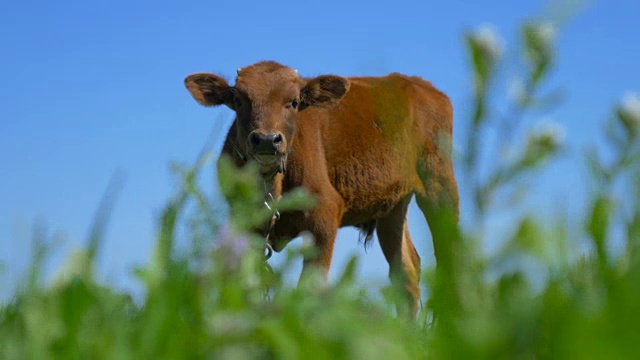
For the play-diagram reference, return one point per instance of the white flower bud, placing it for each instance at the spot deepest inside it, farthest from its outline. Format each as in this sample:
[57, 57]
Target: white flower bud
[630, 107]
[550, 133]
[487, 38]
[546, 32]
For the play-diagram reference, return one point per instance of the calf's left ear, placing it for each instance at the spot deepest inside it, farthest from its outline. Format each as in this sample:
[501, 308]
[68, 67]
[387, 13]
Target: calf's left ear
[323, 91]
[209, 89]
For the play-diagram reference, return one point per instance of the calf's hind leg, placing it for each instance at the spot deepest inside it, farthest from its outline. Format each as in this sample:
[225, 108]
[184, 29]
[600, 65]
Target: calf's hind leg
[439, 204]
[403, 259]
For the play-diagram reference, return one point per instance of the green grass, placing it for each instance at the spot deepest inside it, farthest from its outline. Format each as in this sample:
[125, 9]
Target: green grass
[218, 300]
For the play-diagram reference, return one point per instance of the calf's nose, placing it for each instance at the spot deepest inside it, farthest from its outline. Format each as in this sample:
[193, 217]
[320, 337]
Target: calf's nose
[265, 143]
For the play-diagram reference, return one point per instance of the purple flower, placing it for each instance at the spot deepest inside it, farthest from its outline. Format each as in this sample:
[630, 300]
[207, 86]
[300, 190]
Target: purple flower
[232, 245]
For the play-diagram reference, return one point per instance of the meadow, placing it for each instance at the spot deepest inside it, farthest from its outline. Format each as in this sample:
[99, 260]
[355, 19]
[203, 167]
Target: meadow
[217, 299]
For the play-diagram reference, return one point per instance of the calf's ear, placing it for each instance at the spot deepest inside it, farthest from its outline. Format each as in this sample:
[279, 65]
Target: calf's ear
[323, 91]
[209, 89]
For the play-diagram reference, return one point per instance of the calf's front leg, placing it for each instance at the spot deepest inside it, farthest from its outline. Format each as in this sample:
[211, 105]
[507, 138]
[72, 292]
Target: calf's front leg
[323, 223]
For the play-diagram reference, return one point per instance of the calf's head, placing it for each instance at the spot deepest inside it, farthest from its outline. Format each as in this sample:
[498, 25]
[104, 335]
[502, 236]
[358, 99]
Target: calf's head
[267, 98]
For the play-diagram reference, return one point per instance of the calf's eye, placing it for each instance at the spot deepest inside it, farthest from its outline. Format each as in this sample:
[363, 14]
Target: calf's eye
[237, 102]
[294, 103]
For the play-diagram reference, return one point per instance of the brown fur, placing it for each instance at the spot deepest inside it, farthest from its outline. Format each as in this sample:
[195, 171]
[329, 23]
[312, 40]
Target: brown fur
[363, 146]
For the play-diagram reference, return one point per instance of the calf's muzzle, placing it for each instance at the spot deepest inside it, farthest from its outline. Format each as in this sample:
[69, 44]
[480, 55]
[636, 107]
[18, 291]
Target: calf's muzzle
[262, 143]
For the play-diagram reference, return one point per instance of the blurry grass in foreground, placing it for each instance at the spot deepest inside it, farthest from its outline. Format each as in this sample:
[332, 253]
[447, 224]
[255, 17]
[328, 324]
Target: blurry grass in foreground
[220, 302]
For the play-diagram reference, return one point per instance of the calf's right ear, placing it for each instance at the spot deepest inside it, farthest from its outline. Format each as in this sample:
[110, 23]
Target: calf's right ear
[209, 89]
[323, 91]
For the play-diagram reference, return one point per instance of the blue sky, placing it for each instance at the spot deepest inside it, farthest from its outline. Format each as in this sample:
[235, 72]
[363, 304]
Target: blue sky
[89, 88]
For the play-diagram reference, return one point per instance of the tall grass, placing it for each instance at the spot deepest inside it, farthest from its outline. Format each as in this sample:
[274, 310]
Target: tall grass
[221, 301]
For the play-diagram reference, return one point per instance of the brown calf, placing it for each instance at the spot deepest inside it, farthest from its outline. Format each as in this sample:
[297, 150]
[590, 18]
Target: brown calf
[361, 145]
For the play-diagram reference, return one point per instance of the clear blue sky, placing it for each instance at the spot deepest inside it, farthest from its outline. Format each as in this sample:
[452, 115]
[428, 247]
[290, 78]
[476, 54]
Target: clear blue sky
[92, 87]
